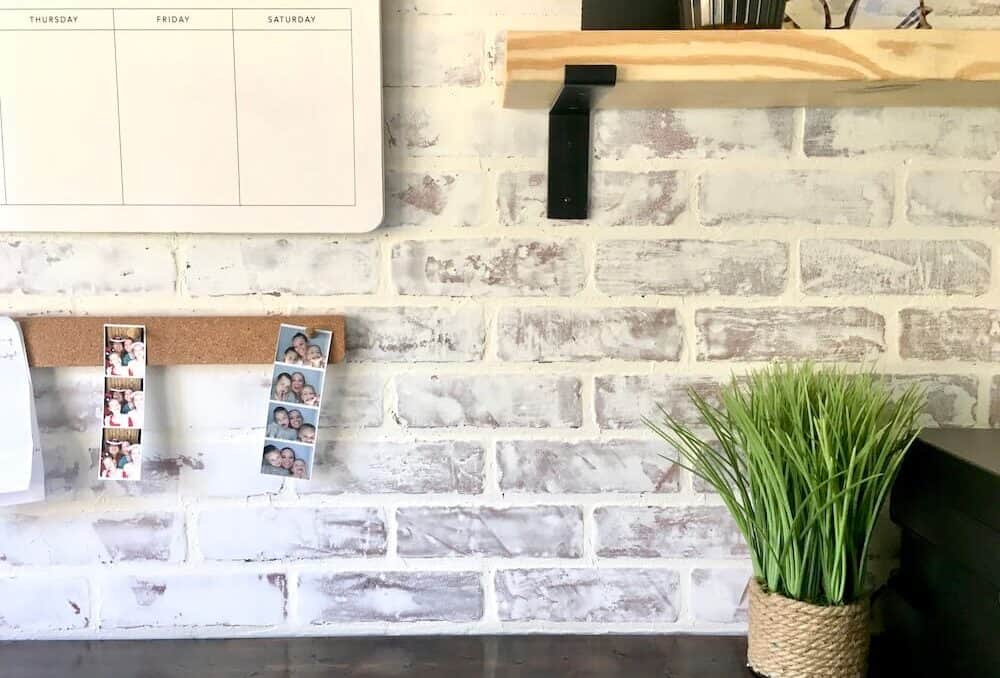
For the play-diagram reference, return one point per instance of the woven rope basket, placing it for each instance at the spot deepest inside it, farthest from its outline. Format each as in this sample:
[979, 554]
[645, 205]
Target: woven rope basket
[791, 639]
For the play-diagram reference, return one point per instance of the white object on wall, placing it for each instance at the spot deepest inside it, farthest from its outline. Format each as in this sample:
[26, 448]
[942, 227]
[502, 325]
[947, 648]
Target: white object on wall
[191, 116]
[23, 478]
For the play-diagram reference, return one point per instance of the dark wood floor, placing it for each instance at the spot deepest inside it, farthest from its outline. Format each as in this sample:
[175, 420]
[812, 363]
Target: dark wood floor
[452, 657]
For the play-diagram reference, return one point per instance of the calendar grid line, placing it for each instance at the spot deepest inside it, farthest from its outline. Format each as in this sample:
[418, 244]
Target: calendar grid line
[3, 156]
[118, 109]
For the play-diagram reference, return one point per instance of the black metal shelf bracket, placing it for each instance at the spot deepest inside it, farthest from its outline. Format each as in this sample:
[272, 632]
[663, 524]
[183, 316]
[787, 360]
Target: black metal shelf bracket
[569, 140]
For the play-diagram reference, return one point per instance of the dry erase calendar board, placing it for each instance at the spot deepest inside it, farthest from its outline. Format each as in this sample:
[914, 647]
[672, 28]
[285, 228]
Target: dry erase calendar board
[191, 116]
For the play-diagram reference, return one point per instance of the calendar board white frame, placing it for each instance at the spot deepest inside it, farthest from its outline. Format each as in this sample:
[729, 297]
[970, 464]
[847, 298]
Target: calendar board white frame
[233, 121]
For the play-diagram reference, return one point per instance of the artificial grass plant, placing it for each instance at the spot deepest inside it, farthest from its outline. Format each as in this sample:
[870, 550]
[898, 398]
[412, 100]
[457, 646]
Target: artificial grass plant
[803, 456]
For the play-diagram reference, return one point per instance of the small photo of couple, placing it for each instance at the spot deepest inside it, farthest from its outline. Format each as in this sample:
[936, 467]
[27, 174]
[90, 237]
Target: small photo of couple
[286, 459]
[124, 351]
[287, 422]
[124, 402]
[121, 454]
[296, 348]
[296, 386]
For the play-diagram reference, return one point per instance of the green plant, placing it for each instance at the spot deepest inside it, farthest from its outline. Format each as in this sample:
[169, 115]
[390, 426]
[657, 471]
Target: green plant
[803, 457]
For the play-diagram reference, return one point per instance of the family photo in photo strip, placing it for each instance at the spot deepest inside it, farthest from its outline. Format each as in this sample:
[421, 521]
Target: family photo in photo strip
[123, 410]
[296, 392]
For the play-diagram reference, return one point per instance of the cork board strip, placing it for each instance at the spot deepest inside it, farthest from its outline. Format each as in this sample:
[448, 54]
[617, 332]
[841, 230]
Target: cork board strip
[196, 340]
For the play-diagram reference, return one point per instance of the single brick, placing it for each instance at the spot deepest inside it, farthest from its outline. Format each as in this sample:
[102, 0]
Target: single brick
[346, 597]
[531, 531]
[360, 467]
[592, 467]
[948, 198]
[224, 600]
[352, 401]
[995, 403]
[87, 265]
[720, 595]
[667, 532]
[267, 533]
[41, 604]
[488, 268]
[423, 199]
[616, 198]
[489, 401]
[87, 539]
[431, 53]
[789, 333]
[604, 596]
[941, 267]
[622, 400]
[67, 399]
[796, 198]
[417, 334]
[455, 123]
[301, 264]
[686, 267]
[545, 334]
[952, 400]
[691, 133]
[970, 334]
[902, 132]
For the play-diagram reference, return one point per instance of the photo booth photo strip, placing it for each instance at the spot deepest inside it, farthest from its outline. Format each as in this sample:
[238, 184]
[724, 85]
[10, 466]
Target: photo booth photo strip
[298, 380]
[123, 406]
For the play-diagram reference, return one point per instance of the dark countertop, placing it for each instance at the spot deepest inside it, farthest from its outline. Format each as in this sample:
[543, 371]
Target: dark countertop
[674, 656]
[452, 657]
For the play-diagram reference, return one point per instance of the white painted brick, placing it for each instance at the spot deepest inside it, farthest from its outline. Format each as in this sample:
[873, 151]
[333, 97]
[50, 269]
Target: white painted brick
[552, 467]
[622, 400]
[495, 8]
[40, 604]
[720, 595]
[493, 267]
[952, 400]
[995, 403]
[533, 531]
[688, 267]
[598, 596]
[947, 198]
[970, 334]
[902, 132]
[489, 401]
[351, 400]
[431, 52]
[67, 399]
[693, 133]
[267, 533]
[789, 332]
[406, 468]
[917, 267]
[796, 198]
[667, 532]
[193, 600]
[616, 198]
[390, 597]
[580, 334]
[112, 537]
[87, 265]
[421, 123]
[416, 334]
[302, 264]
[434, 199]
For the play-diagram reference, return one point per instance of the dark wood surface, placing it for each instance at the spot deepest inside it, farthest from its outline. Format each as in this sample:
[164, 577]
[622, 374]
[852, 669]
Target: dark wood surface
[437, 657]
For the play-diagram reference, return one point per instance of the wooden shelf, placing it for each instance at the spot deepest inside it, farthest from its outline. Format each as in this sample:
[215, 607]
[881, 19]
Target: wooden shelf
[762, 68]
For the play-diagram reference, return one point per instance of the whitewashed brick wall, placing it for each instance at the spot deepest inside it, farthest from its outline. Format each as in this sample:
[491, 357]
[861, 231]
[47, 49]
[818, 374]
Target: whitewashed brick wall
[483, 465]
